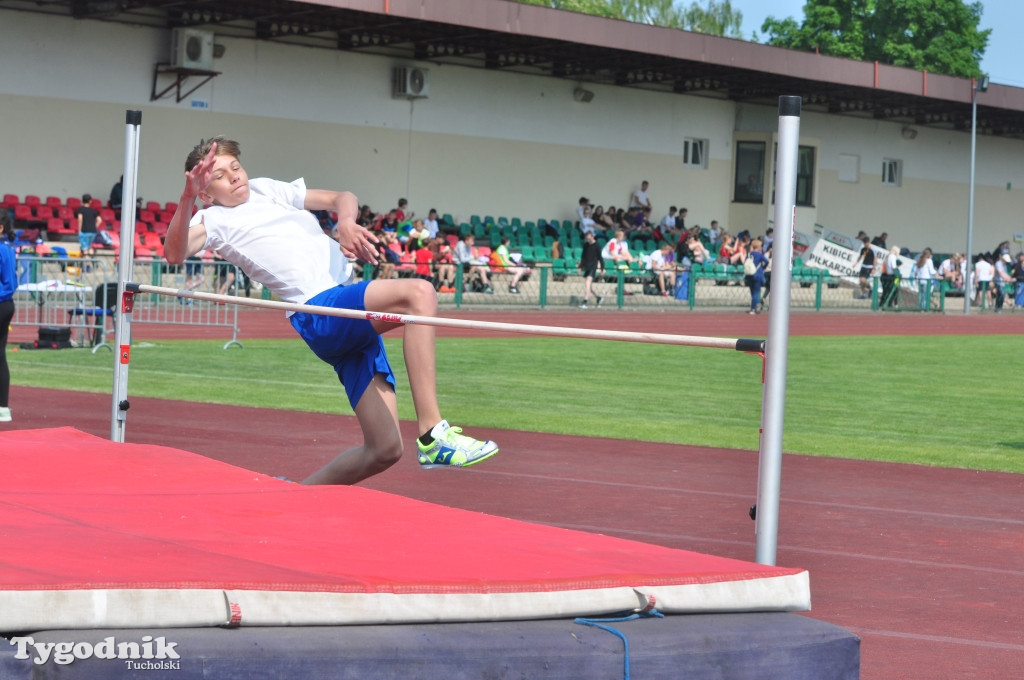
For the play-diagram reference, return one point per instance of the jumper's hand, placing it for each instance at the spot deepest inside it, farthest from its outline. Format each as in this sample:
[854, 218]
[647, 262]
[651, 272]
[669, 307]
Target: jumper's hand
[357, 242]
[198, 178]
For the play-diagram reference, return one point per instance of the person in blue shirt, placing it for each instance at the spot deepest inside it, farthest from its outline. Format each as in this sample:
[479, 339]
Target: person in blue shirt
[8, 284]
[754, 276]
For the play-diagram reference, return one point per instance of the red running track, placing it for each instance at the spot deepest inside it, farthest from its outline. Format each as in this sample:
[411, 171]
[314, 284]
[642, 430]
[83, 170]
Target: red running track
[924, 563]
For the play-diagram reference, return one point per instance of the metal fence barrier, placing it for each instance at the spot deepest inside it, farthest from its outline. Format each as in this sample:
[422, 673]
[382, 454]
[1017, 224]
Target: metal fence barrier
[80, 294]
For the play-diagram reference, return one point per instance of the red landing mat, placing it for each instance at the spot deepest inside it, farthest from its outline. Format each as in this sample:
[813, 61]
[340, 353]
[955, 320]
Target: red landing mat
[100, 535]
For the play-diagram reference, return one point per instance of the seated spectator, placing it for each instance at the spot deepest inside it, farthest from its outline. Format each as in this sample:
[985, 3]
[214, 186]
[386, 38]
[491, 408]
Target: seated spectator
[424, 259]
[507, 264]
[663, 266]
[951, 270]
[617, 250]
[587, 223]
[444, 270]
[431, 223]
[697, 252]
[602, 220]
[417, 236]
[467, 256]
[402, 212]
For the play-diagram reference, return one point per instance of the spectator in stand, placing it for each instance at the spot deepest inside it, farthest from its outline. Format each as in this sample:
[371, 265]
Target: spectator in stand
[424, 259]
[714, 233]
[590, 260]
[768, 240]
[367, 218]
[587, 223]
[880, 240]
[402, 212]
[8, 284]
[417, 237]
[89, 222]
[602, 219]
[667, 227]
[698, 254]
[617, 250]
[387, 256]
[467, 257]
[733, 251]
[640, 198]
[926, 276]
[866, 266]
[1001, 279]
[510, 266]
[755, 280]
[116, 195]
[445, 270]
[984, 272]
[431, 223]
[663, 266]
[581, 207]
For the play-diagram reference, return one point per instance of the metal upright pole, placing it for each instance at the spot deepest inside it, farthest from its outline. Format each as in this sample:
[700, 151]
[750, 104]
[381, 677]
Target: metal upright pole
[970, 194]
[126, 257]
[773, 403]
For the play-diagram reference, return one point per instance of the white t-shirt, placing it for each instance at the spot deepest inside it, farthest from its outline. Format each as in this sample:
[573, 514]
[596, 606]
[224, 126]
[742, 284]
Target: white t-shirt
[613, 248]
[276, 241]
[640, 199]
[431, 226]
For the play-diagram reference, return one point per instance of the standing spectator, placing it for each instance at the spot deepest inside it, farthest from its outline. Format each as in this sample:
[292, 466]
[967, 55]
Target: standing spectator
[587, 223]
[753, 275]
[984, 272]
[1001, 278]
[466, 256]
[639, 198]
[193, 276]
[925, 274]
[8, 284]
[590, 260]
[663, 266]
[890, 277]
[89, 222]
[866, 264]
[880, 240]
[1018, 276]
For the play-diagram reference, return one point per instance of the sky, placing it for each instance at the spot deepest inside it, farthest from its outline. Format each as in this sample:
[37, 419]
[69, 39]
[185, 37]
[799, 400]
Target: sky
[1004, 56]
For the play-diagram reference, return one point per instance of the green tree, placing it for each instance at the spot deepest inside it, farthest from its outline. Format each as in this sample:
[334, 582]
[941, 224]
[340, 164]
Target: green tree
[714, 17]
[941, 36]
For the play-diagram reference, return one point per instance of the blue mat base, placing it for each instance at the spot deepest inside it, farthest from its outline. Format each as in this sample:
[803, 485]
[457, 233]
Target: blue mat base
[712, 646]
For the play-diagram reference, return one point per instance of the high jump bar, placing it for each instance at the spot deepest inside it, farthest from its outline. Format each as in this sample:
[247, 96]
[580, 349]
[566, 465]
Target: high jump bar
[740, 344]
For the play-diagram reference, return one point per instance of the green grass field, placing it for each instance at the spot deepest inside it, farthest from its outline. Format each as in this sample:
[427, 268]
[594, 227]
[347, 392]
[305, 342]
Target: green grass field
[944, 400]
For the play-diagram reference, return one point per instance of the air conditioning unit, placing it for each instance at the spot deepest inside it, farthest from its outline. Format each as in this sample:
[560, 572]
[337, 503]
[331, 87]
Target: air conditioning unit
[410, 82]
[192, 48]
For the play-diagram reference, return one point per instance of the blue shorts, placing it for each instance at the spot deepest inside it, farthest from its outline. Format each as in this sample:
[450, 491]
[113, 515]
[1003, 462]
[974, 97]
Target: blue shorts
[85, 240]
[352, 346]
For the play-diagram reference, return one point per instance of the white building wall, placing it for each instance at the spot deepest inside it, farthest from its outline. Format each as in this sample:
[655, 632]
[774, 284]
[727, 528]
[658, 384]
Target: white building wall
[486, 143]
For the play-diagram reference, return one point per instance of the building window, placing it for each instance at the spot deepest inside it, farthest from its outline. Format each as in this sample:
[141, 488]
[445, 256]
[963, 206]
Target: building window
[805, 176]
[695, 153]
[749, 179]
[892, 172]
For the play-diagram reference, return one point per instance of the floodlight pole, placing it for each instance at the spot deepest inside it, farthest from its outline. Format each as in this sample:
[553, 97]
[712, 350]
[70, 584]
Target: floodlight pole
[979, 85]
[126, 258]
[773, 403]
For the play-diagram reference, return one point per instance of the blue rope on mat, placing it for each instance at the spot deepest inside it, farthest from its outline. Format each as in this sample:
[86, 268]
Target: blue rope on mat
[599, 623]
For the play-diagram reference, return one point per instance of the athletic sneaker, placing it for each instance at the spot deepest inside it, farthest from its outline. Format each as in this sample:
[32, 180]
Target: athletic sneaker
[450, 448]
[5, 414]
[599, 298]
[583, 305]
